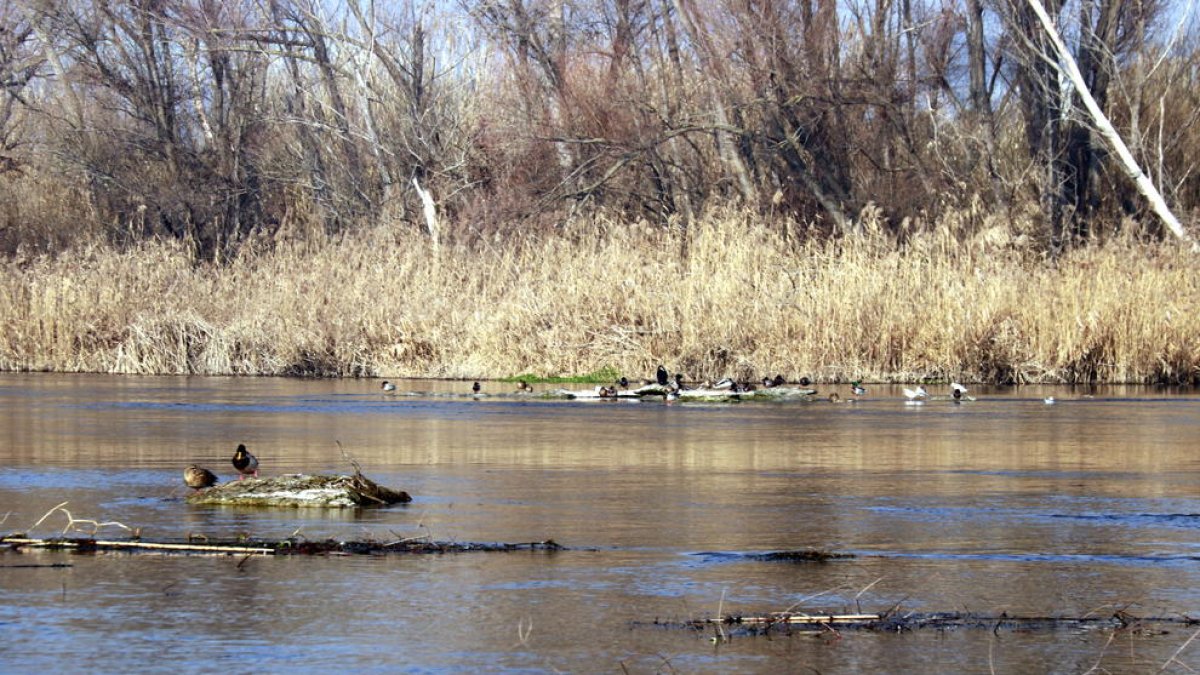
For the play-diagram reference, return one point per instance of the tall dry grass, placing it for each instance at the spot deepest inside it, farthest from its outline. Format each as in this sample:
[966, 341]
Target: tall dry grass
[745, 299]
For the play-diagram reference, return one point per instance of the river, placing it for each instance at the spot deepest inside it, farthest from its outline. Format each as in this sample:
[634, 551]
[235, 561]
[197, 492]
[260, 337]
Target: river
[1003, 504]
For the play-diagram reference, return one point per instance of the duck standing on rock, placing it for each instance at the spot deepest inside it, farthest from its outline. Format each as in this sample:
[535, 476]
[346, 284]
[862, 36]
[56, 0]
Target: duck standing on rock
[245, 463]
[198, 478]
[475, 387]
[661, 376]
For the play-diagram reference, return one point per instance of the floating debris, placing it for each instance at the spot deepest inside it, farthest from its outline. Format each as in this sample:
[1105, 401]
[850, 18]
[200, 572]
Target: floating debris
[250, 546]
[895, 622]
[301, 490]
[803, 555]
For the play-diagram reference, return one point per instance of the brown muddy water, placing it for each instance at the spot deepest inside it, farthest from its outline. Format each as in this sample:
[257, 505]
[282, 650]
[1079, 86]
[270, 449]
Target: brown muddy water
[1004, 504]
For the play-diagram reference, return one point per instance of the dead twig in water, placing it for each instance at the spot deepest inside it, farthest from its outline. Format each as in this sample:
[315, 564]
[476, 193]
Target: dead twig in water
[1096, 666]
[47, 515]
[524, 632]
[721, 636]
[1175, 656]
[73, 523]
[857, 604]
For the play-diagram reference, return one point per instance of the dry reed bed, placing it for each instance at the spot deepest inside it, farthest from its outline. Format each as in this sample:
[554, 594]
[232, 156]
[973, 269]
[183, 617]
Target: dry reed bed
[743, 300]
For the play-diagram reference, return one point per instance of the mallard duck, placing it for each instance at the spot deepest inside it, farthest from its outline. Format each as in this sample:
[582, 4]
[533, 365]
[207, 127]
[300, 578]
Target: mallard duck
[834, 398]
[725, 383]
[524, 386]
[679, 382]
[623, 382]
[778, 381]
[918, 393]
[387, 386]
[857, 388]
[475, 387]
[661, 376]
[198, 478]
[804, 382]
[245, 463]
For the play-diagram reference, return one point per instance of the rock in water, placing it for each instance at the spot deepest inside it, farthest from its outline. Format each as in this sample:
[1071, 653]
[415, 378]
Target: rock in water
[300, 490]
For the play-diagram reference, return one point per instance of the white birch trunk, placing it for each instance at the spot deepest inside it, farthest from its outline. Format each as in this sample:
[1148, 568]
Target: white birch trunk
[1106, 129]
[431, 220]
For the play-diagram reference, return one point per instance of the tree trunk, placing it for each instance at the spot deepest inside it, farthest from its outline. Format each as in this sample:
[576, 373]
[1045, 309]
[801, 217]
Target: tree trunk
[1106, 130]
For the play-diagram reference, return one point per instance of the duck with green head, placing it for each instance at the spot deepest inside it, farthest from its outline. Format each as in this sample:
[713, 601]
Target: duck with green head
[245, 463]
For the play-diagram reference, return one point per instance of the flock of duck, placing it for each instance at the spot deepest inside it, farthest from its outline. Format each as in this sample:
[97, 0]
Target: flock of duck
[672, 386]
[246, 464]
[198, 477]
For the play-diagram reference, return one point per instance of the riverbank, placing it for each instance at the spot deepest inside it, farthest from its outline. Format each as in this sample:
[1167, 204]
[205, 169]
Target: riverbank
[729, 297]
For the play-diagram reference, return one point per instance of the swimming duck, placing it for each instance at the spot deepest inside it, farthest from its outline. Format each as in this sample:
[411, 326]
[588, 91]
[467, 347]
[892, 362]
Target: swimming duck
[957, 391]
[661, 376]
[524, 386]
[834, 398]
[804, 382]
[857, 388]
[623, 382]
[679, 382]
[198, 478]
[387, 386]
[1049, 400]
[725, 383]
[917, 393]
[778, 381]
[475, 387]
[245, 463]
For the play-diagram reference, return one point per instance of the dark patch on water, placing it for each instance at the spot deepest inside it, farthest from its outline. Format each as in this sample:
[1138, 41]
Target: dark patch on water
[1185, 520]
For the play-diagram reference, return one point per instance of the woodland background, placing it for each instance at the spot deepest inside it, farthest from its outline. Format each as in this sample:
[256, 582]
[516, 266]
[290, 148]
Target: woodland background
[896, 189]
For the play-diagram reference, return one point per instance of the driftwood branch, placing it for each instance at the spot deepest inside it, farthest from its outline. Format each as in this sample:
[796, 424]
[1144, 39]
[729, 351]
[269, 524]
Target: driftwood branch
[288, 546]
[1107, 131]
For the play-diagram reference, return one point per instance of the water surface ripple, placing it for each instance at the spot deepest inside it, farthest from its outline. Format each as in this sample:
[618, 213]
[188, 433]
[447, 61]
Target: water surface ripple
[1003, 504]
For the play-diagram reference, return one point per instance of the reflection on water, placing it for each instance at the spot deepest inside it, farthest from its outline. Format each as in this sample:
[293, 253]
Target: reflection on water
[1002, 504]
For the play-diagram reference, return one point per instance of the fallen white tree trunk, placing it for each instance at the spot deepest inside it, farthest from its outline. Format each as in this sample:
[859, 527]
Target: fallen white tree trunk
[1106, 129]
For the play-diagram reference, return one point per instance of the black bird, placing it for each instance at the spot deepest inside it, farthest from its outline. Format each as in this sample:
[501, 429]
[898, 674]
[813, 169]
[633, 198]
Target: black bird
[778, 381]
[245, 463]
[661, 375]
[624, 382]
[198, 478]
[804, 382]
[475, 387]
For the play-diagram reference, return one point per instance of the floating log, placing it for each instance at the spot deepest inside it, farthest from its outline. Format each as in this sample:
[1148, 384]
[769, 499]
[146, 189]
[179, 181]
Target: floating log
[289, 546]
[300, 490]
[803, 555]
[786, 622]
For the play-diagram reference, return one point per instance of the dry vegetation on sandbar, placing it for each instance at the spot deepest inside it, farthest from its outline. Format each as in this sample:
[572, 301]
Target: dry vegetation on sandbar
[727, 297]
